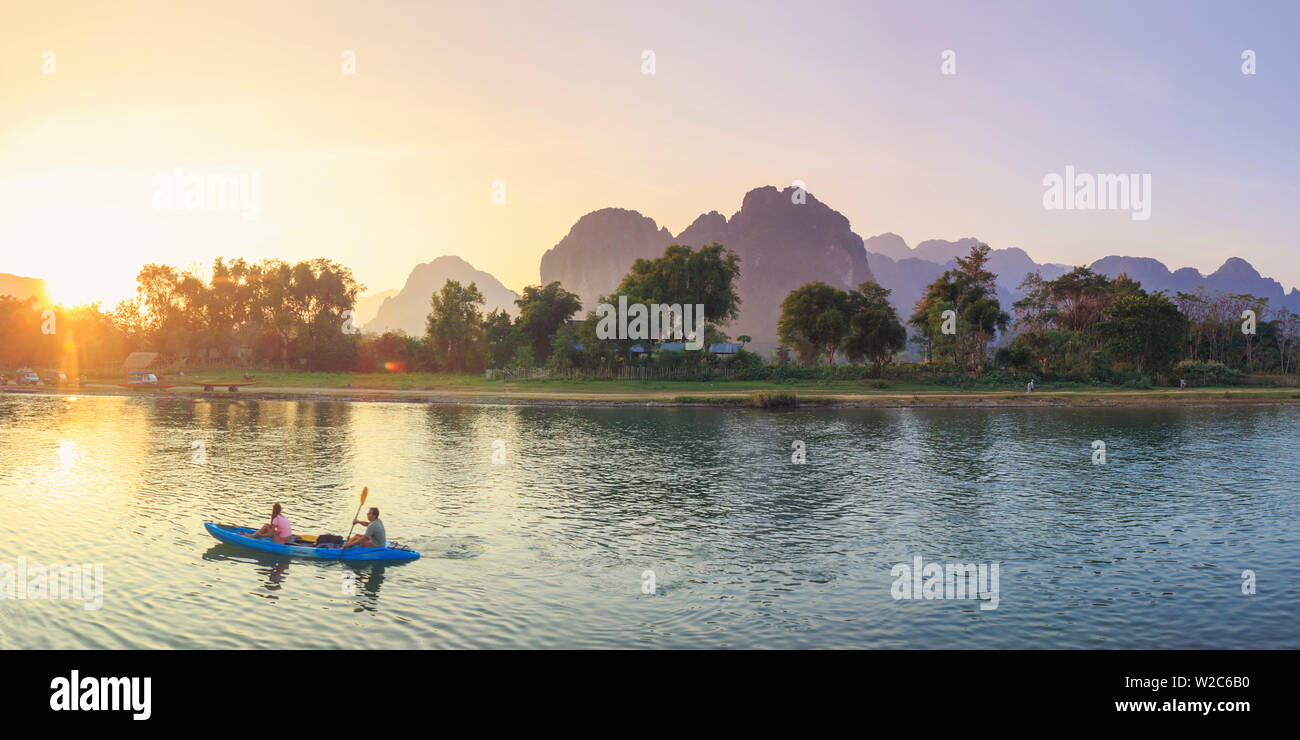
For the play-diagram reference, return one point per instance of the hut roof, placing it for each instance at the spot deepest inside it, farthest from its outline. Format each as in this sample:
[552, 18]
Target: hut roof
[139, 360]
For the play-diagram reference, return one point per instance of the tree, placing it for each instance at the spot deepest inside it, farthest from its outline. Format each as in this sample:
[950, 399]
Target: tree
[683, 275]
[391, 351]
[455, 328]
[503, 338]
[978, 309]
[1146, 330]
[814, 320]
[166, 315]
[874, 331]
[969, 293]
[1287, 336]
[927, 317]
[1260, 307]
[542, 311]
[819, 321]
[20, 333]
[1075, 301]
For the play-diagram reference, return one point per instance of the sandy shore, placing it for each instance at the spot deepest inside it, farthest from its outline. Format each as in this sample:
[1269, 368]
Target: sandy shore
[722, 397]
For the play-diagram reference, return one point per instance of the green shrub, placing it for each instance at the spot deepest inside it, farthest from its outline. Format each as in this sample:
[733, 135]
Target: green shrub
[1205, 373]
[770, 400]
[1141, 382]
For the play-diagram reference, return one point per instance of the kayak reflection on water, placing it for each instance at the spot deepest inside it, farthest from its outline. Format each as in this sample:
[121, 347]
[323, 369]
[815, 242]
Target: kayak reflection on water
[275, 577]
[360, 582]
[364, 582]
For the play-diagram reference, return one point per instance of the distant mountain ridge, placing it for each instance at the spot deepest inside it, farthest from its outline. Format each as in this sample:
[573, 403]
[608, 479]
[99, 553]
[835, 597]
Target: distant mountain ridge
[908, 277]
[409, 309]
[623, 237]
[783, 241]
[783, 244]
[1236, 275]
[368, 306]
[23, 288]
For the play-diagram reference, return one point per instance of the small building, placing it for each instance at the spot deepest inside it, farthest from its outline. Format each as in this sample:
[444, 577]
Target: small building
[724, 348]
[672, 347]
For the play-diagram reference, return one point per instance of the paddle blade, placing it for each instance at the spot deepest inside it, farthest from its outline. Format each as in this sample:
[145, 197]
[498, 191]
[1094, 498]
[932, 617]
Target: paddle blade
[364, 492]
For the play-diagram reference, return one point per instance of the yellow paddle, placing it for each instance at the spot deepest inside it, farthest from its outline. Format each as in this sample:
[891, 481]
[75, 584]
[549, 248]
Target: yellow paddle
[364, 492]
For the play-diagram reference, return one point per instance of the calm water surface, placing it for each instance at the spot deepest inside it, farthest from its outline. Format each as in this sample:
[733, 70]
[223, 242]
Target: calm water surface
[748, 550]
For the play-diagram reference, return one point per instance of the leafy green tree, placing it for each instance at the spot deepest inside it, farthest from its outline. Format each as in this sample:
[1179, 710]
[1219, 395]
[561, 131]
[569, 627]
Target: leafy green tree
[542, 311]
[978, 309]
[927, 318]
[874, 331]
[969, 292]
[567, 346]
[503, 338]
[683, 275]
[1146, 329]
[814, 320]
[455, 328]
[1075, 301]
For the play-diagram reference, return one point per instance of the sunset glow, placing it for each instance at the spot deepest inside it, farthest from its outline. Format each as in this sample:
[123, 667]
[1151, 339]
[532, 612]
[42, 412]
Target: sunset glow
[395, 164]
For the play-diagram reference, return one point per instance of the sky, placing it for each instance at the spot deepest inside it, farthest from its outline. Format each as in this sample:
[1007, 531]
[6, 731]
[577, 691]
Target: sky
[547, 105]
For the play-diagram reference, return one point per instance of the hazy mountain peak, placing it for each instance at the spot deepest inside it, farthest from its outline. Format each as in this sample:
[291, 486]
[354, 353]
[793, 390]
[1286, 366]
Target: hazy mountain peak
[707, 222]
[409, 309]
[941, 250]
[1236, 268]
[594, 256]
[767, 205]
[367, 306]
[23, 288]
[782, 243]
[889, 244]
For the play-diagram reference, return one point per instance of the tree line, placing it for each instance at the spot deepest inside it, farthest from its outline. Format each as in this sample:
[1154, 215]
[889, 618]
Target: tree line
[270, 313]
[1081, 326]
[275, 314]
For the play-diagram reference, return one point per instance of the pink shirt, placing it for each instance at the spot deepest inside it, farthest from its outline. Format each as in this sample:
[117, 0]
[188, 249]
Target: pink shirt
[282, 526]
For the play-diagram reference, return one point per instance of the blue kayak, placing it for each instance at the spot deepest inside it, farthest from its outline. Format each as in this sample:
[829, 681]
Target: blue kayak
[304, 547]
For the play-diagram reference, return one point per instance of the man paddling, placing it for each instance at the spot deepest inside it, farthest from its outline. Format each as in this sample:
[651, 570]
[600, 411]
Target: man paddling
[374, 536]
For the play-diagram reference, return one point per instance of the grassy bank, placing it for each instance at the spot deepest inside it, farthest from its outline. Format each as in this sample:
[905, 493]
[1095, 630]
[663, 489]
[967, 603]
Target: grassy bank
[758, 394]
[279, 379]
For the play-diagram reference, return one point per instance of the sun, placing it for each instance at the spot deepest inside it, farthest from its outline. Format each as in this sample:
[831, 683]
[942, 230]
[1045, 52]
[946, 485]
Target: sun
[82, 286]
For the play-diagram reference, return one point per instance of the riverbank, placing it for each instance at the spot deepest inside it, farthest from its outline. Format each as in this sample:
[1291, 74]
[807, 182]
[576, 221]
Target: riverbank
[461, 389]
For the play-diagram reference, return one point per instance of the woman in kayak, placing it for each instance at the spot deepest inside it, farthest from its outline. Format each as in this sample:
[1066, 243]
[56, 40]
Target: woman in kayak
[278, 530]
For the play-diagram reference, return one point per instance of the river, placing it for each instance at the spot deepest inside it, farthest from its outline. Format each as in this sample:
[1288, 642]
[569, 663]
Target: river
[656, 527]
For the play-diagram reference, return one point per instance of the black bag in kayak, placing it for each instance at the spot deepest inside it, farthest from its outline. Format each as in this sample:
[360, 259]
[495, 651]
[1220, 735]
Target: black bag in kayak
[329, 539]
